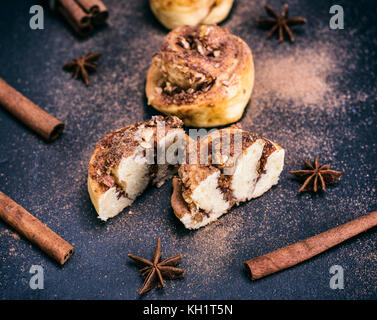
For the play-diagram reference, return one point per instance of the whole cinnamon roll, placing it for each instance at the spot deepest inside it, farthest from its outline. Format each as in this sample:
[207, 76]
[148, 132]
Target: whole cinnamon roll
[203, 75]
[176, 13]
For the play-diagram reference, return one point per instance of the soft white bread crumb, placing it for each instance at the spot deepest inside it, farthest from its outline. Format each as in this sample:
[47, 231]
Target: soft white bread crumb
[107, 204]
[246, 172]
[273, 168]
[208, 197]
[132, 175]
[189, 223]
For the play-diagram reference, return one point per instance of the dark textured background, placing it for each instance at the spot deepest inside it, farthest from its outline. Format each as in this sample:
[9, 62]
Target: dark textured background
[49, 180]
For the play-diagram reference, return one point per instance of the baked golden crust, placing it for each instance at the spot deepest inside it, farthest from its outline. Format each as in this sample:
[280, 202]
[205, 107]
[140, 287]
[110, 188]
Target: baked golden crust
[203, 74]
[99, 170]
[177, 13]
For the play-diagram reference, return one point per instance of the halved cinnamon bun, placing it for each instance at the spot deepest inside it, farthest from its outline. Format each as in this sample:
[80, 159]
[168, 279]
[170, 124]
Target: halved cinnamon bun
[175, 13]
[127, 160]
[203, 75]
[238, 166]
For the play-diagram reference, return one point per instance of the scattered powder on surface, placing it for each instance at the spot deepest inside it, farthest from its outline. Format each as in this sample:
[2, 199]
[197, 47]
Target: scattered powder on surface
[12, 249]
[216, 247]
[300, 78]
[10, 233]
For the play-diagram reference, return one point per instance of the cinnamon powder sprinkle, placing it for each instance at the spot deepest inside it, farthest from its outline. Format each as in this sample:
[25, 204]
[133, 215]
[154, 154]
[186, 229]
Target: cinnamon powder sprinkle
[301, 77]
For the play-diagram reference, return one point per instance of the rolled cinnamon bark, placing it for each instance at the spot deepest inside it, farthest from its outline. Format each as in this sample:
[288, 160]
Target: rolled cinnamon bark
[100, 17]
[82, 30]
[34, 230]
[29, 113]
[82, 15]
[289, 256]
[91, 6]
[78, 19]
[79, 16]
[97, 9]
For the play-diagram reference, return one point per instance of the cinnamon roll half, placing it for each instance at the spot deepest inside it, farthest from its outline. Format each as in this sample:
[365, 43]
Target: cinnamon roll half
[203, 74]
[175, 13]
[238, 166]
[127, 160]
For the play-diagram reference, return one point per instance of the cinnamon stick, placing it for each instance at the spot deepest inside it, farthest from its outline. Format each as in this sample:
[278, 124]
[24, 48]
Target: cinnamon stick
[29, 113]
[92, 6]
[291, 255]
[79, 16]
[100, 17]
[82, 15]
[78, 19]
[34, 230]
[96, 9]
[83, 30]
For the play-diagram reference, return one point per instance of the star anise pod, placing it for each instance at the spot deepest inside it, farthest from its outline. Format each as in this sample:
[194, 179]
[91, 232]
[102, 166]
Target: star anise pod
[280, 23]
[315, 176]
[155, 271]
[83, 65]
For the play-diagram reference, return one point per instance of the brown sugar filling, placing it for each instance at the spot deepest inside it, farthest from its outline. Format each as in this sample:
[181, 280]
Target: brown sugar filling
[197, 54]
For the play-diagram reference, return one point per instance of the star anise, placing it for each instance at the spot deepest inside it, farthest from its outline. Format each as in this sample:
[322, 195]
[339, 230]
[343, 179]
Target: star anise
[280, 23]
[316, 175]
[155, 272]
[83, 65]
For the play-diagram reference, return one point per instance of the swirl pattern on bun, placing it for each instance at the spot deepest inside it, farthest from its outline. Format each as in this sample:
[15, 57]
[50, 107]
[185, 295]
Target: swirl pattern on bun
[176, 13]
[238, 166]
[202, 74]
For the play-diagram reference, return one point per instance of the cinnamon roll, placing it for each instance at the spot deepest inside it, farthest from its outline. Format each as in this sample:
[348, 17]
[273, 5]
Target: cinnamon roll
[127, 160]
[175, 13]
[203, 75]
[240, 166]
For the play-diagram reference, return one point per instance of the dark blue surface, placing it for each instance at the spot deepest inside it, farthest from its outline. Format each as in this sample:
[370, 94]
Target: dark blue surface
[49, 180]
